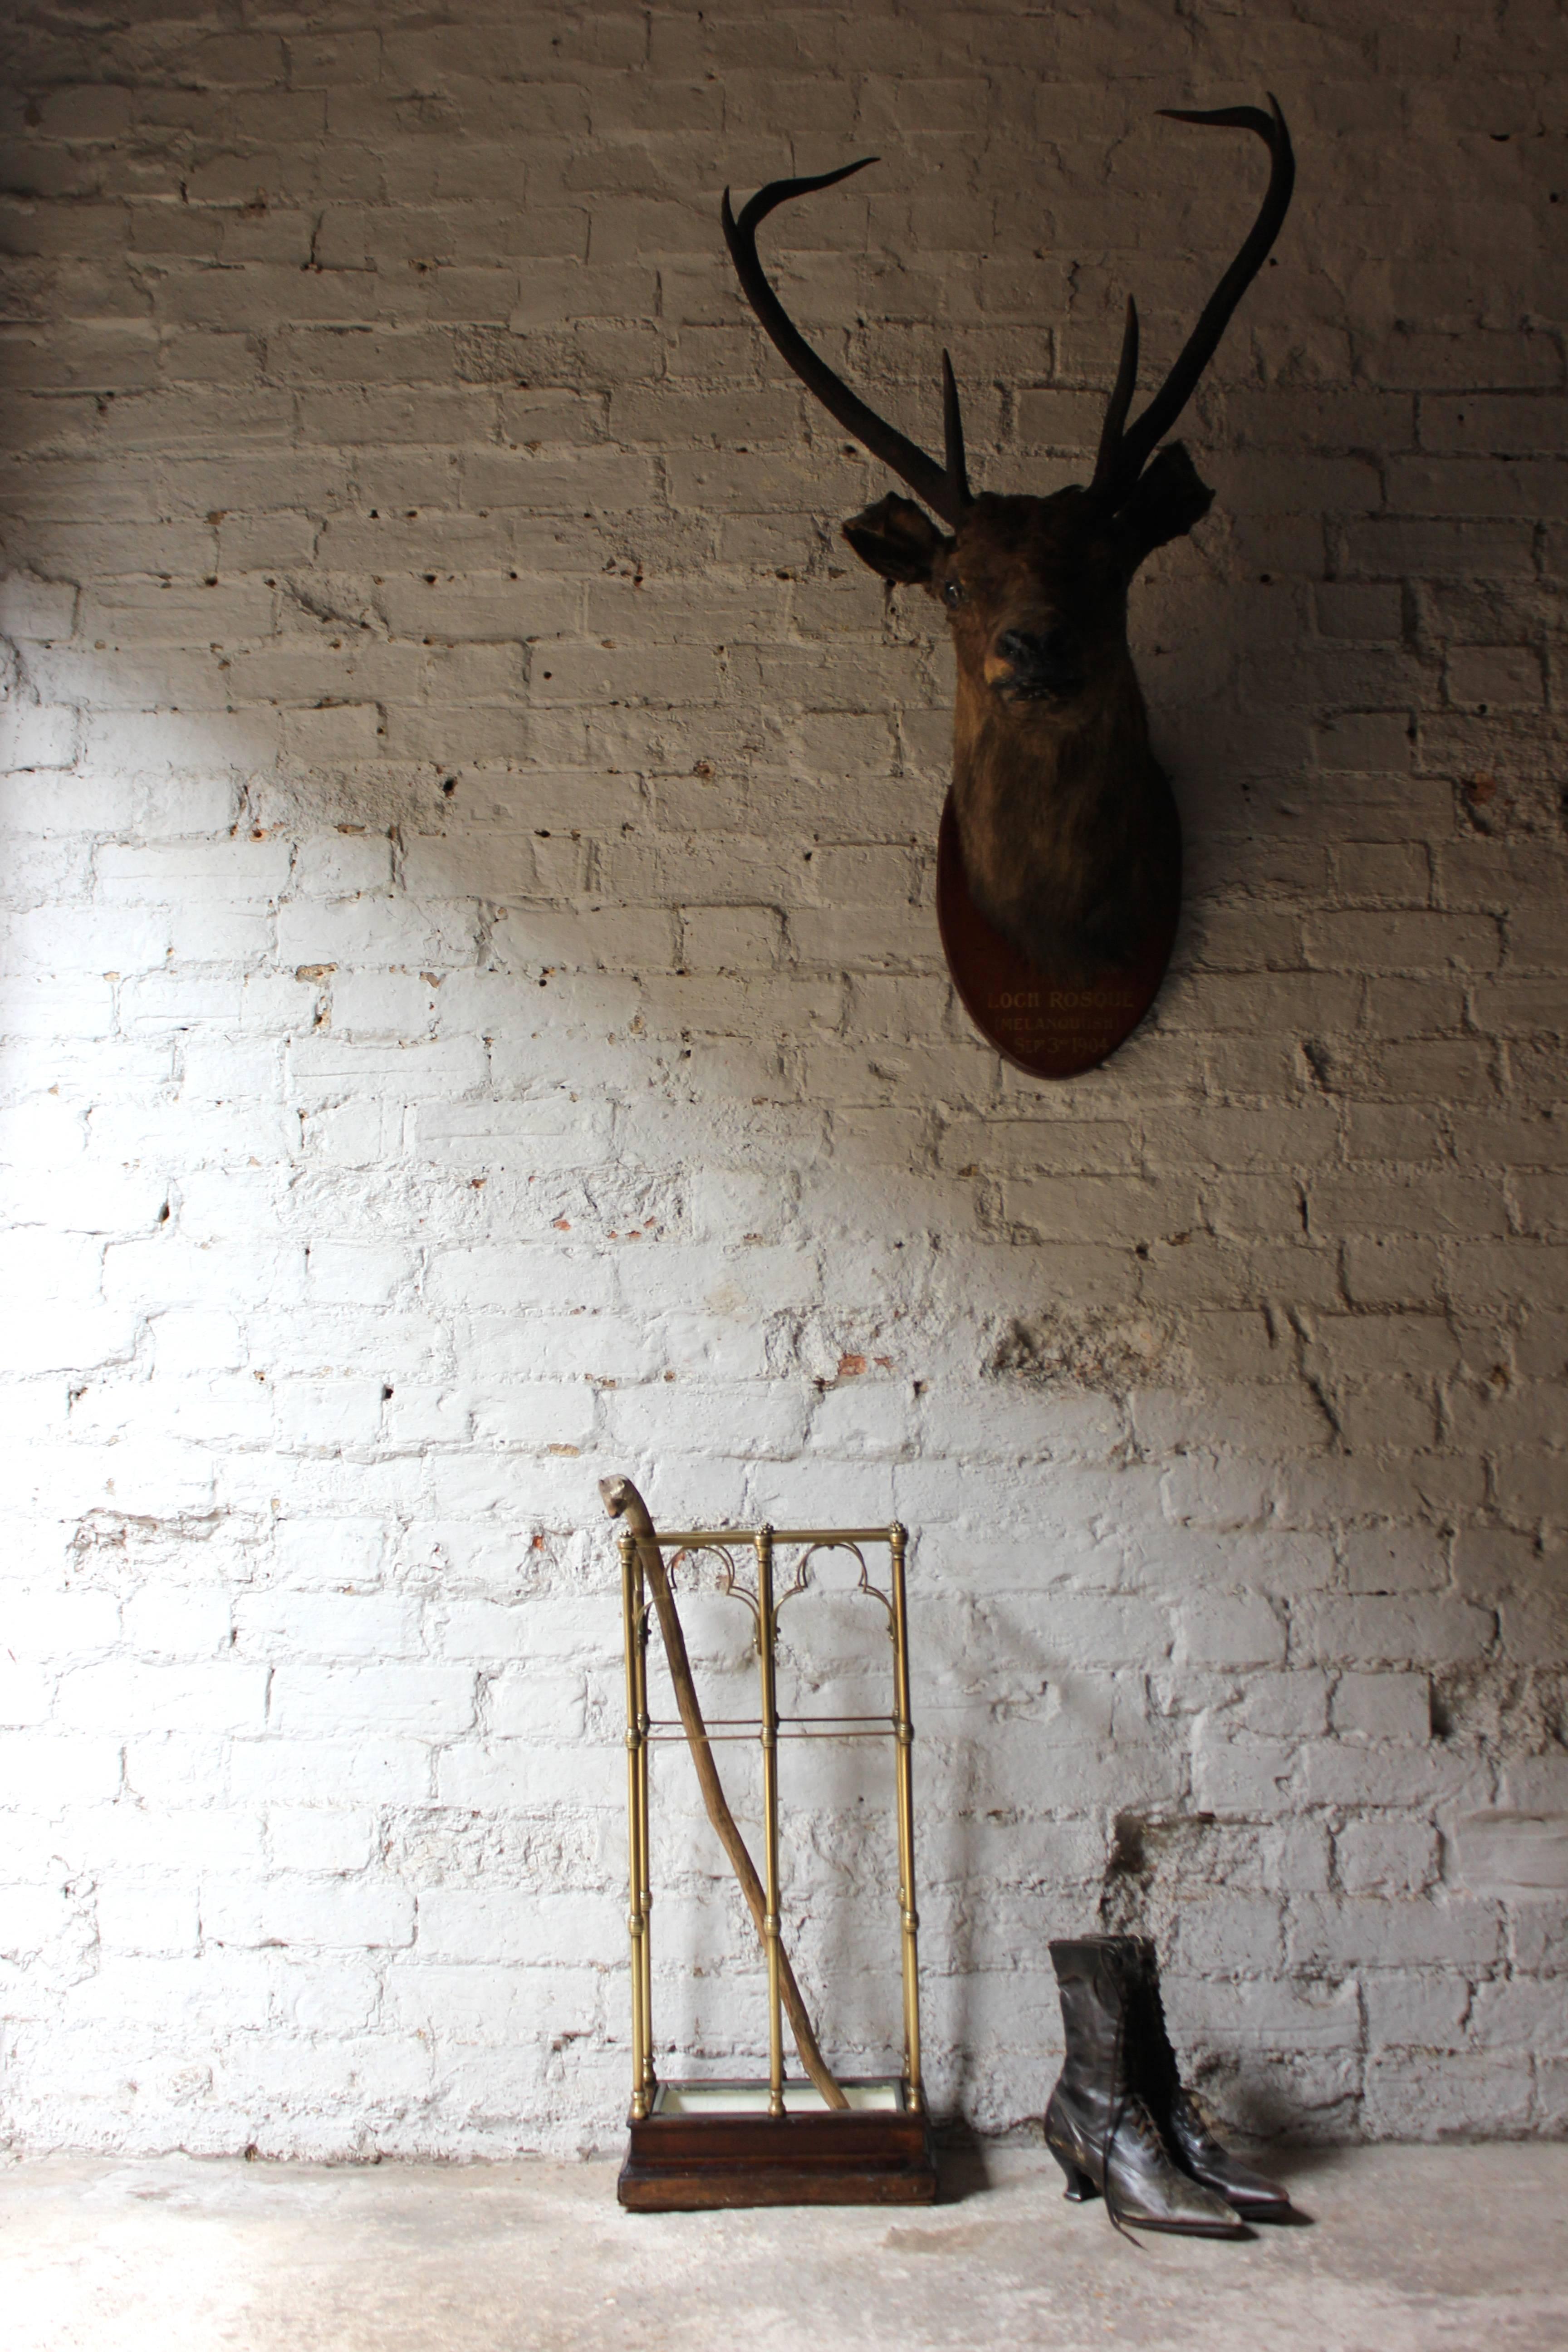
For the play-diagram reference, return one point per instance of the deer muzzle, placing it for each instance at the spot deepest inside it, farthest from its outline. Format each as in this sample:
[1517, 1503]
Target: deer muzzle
[1024, 666]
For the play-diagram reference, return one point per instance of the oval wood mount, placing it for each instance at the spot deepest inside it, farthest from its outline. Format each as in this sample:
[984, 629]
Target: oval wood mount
[1036, 1023]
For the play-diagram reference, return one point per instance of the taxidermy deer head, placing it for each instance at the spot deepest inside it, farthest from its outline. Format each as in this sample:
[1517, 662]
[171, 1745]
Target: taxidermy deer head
[1067, 829]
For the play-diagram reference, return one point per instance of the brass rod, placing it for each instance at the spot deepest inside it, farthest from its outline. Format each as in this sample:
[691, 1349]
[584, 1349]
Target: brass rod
[644, 1836]
[716, 1738]
[909, 1916]
[683, 1540]
[886, 1721]
[637, 1925]
[766, 1630]
[754, 1722]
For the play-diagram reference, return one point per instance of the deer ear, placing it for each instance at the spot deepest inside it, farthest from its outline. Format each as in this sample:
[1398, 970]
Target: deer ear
[896, 537]
[1166, 503]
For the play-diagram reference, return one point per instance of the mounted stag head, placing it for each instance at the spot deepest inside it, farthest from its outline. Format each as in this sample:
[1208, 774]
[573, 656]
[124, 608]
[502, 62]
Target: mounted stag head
[1068, 833]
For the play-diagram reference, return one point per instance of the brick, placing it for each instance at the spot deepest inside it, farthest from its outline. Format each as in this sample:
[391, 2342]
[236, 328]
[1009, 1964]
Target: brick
[299, 1910]
[463, 1924]
[224, 1695]
[1520, 1857]
[1383, 1857]
[284, 1624]
[509, 1775]
[1416, 2009]
[1424, 2097]
[1383, 1706]
[374, 1769]
[158, 1916]
[1398, 1629]
[1425, 942]
[320, 1701]
[1238, 1631]
[190, 1624]
[1377, 1932]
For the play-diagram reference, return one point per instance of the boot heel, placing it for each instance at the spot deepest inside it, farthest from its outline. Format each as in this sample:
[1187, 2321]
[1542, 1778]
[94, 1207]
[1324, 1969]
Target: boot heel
[1080, 2189]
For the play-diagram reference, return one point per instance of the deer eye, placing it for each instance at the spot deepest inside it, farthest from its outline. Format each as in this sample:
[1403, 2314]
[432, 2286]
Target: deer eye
[952, 593]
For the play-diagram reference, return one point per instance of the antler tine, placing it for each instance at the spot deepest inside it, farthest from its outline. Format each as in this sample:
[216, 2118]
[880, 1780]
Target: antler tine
[1138, 445]
[1108, 458]
[953, 434]
[946, 494]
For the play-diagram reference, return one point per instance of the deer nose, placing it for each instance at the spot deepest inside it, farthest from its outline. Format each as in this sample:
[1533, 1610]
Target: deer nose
[1033, 666]
[1032, 655]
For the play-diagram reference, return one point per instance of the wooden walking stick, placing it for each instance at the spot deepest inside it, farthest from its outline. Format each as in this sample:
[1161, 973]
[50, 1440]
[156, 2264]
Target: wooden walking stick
[622, 1500]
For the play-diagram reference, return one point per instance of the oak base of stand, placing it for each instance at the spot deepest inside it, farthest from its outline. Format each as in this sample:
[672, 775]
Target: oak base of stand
[712, 2144]
[1034, 1023]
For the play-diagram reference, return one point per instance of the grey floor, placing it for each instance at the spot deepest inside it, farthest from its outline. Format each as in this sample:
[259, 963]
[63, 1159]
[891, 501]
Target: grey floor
[1410, 2247]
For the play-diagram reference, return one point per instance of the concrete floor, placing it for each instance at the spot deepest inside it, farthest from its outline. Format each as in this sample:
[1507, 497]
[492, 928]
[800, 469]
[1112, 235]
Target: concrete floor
[1410, 2247]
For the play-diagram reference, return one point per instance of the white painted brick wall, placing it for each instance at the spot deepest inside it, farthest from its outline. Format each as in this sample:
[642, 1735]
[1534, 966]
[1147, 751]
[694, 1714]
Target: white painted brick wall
[473, 1020]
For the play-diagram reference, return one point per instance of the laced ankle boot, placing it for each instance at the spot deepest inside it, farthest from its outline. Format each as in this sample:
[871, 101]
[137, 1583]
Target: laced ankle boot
[1097, 2125]
[1177, 2114]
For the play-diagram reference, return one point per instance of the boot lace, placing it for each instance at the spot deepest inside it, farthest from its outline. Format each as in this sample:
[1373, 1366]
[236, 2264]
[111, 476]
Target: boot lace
[1122, 2104]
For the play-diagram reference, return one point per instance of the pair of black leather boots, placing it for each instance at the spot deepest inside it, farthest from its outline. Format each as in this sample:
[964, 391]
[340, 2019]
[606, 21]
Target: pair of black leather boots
[1121, 2123]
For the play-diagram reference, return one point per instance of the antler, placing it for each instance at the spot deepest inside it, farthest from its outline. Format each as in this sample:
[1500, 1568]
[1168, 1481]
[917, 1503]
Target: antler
[1123, 455]
[944, 488]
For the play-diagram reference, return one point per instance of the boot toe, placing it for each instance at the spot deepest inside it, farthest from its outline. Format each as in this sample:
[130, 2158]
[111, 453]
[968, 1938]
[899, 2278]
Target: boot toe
[1148, 2191]
[1199, 2212]
[1250, 2193]
[1205, 2156]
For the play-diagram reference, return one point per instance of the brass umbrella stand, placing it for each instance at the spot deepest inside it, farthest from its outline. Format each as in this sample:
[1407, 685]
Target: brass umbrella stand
[816, 2141]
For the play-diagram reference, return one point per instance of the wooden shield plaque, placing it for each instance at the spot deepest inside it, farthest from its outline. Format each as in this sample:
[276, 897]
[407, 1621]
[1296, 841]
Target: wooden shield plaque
[1049, 1030]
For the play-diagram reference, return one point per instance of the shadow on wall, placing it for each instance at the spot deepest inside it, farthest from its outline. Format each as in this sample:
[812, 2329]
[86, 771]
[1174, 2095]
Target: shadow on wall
[1182, 1416]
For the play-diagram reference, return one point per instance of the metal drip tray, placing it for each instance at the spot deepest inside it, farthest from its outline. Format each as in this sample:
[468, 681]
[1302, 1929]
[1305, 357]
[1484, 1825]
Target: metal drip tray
[752, 2098]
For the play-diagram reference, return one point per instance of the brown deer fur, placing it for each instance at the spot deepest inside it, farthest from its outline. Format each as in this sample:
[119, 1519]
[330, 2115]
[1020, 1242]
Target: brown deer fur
[1073, 872]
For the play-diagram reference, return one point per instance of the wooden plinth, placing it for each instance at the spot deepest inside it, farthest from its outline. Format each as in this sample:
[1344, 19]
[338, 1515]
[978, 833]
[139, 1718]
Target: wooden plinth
[693, 2162]
[1051, 1031]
